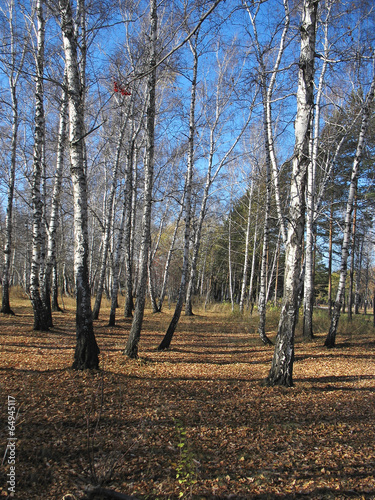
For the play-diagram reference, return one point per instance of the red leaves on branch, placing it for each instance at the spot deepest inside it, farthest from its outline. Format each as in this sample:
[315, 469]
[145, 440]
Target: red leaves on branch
[123, 89]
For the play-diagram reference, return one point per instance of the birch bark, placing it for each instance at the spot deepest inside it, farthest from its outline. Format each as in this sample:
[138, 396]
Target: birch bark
[267, 87]
[13, 77]
[351, 275]
[87, 350]
[165, 343]
[263, 272]
[281, 372]
[129, 231]
[169, 257]
[55, 204]
[247, 247]
[109, 217]
[252, 272]
[308, 300]
[131, 349]
[331, 337]
[41, 319]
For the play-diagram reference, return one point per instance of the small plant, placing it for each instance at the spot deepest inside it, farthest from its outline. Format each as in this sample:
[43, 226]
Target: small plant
[187, 466]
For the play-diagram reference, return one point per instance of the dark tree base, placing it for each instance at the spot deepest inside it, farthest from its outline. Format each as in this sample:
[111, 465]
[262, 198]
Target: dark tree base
[266, 341]
[330, 344]
[280, 381]
[86, 358]
[57, 309]
[8, 311]
[131, 352]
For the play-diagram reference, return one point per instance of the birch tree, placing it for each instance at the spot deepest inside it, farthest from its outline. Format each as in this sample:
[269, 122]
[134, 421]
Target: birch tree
[218, 157]
[267, 84]
[87, 350]
[312, 200]
[109, 214]
[50, 264]
[267, 80]
[13, 69]
[165, 343]
[41, 317]
[281, 372]
[331, 337]
[247, 246]
[131, 349]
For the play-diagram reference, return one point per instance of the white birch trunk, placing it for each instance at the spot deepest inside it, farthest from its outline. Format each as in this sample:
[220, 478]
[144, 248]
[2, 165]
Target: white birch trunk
[131, 349]
[165, 343]
[41, 320]
[268, 85]
[230, 273]
[274, 261]
[5, 305]
[169, 257]
[281, 372]
[263, 272]
[252, 272]
[331, 337]
[109, 218]
[55, 204]
[13, 77]
[86, 352]
[210, 179]
[247, 248]
[308, 299]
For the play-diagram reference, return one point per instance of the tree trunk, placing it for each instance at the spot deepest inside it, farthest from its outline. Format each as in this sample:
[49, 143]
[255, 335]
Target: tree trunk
[252, 272]
[41, 316]
[117, 256]
[151, 290]
[87, 350]
[129, 230]
[17, 59]
[155, 307]
[281, 372]
[247, 245]
[308, 300]
[55, 289]
[109, 219]
[331, 337]
[267, 82]
[131, 349]
[50, 266]
[274, 265]
[263, 273]
[351, 276]
[221, 95]
[165, 343]
[5, 305]
[277, 276]
[230, 272]
[330, 255]
[357, 296]
[169, 258]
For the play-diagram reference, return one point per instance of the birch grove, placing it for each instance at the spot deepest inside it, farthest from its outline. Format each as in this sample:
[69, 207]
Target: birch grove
[166, 157]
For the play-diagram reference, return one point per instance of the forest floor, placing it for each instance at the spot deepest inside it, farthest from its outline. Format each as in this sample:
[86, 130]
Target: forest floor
[192, 422]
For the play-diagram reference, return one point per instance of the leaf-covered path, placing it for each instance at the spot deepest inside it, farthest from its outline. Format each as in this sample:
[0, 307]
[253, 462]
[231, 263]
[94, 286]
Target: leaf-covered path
[192, 422]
